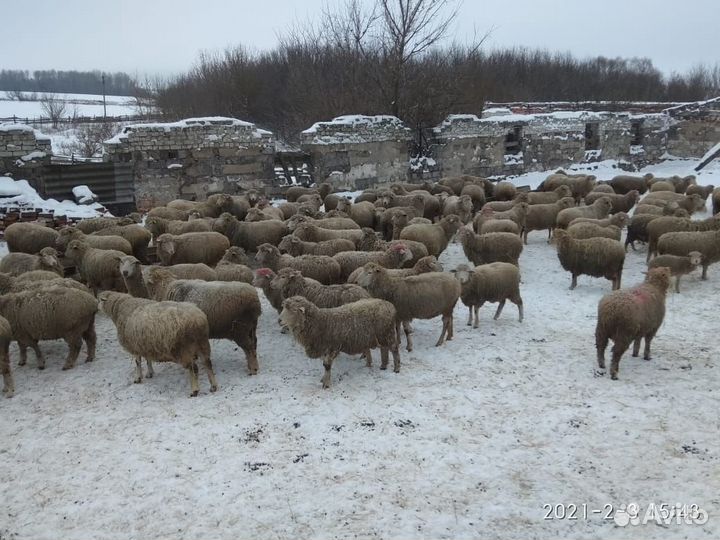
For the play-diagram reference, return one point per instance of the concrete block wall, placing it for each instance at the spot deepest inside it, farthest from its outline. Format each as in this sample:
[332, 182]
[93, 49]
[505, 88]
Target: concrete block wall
[23, 151]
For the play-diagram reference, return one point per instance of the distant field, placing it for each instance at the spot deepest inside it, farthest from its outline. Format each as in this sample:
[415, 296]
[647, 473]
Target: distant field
[84, 104]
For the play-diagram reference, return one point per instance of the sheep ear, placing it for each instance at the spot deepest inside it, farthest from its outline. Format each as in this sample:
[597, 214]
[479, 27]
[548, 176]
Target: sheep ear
[302, 309]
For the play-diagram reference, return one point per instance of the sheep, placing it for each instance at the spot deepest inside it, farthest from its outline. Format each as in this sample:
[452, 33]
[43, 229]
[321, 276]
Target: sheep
[504, 191]
[423, 266]
[212, 207]
[168, 213]
[461, 206]
[292, 245]
[490, 247]
[99, 268]
[263, 280]
[292, 283]
[682, 243]
[597, 257]
[666, 224]
[603, 188]
[597, 210]
[504, 206]
[500, 225]
[371, 242]
[362, 213]
[518, 214]
[331, 200]
[18, 263]
[476, 194]
[91, 225]
[47, 313]
[419, 220]
[326, 332]
[436, 236]
[637, 229]
[580, 185]
[324, 269]
[424, 296]
[5, 339]
[703, 191]
[10, 284]
[549, 197]
[35, 276]
[456, 183]
[629, 315]
[662, 186]
[66, 234]
[293, 193]
[334, 224]
[582, 231]
[493, 282]
[430, 205]
[624, 183]
[620, 203]
[161, 332]
[544, 216]
[233, 267]
[189, 271]
[158, 226]
[668, 209]
[137, 235]
[678, 265]
[390, 221]
[394, 257]
[232, 308]
[250, 235]
[691, 203]
[369, 195]
[620, 220]
[29, 237]
[196, 247]
[131, 272]
[310, 232]
[273, 212]
[715, 198]
[399, 221]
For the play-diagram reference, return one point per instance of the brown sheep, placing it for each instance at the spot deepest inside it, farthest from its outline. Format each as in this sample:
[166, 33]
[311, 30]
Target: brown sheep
[250, 235]
[490, 247]
[679, 265]
[324, 269]
[597, 210]
[683, 243]
[137, 235]
[597, 257]
[195, 247]
[494, 282]
[436, 236]
[620, 203]
[624, 183]
[394, 257]
[29, 237]
[19, 263]
[66, 234]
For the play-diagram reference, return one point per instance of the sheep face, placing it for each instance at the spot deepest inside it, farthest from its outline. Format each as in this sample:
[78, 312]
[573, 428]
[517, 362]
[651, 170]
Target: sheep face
[129, 266]
[263, 277]
[165, 244]
[75, 250]
[254, 214]
[235, 255]
[369, 274]
[604, 203]
[462, 273]
[293, 312]
[264, 252]
[48, 258]
[429, 264]
[695, 258]
[288, 243]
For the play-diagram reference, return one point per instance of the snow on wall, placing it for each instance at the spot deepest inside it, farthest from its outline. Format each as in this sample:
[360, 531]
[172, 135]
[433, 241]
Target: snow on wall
[356, 129]
[20, 194]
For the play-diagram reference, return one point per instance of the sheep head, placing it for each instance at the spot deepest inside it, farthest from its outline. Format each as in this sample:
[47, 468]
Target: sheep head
[165, 244]
[695, 257]
[49, 260]
[294, 311]
[75, 250]
[428, 264]
[370, 273]
[403, 251]
[659, 277]
[462, 273]
[130, 266]
[263, 277]
[235, 255]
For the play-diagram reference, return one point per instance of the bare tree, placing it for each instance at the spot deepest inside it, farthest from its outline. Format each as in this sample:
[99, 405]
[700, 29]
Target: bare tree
[89, 138]
[53, 108]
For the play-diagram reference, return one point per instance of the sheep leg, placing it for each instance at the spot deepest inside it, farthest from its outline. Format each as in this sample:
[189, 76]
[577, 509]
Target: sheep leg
[408, 338]
[704, 272]
[194, 386]
[384, 357]
[519, 303]
[648, 340]
[396, 357]
[23, 354]
[138, 370]
[90, 338]
[327, 364]
[8, 383]
[74, 345]
[451, 326]
[477, 315]
[398, 337]
[368, 357]
[470, 316]
[573, 283]
[677, 284]
[150, 370]
[525, 235]
[247, 340]
[445, 324]
[617, 351]
[601, 343]
[501, 305]
[205, 354]
[38, 355]
[636, 346]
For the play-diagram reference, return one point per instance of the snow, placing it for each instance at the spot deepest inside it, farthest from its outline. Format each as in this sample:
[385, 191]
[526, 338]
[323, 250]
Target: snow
[356, 119]
[20, 194]
[469, 440]
[37, 154]
[84, 195]
[84, 104]
[188, 123]
[714, 150]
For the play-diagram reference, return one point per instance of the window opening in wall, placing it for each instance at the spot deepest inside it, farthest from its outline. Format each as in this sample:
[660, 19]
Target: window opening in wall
[513, 141]
[636, 133]
[172, 154]
[592, 136]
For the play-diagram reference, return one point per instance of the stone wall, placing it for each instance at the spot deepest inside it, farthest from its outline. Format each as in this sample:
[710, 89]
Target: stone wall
[364, 150]
[194, 158]
[695, 129]
[23, 151]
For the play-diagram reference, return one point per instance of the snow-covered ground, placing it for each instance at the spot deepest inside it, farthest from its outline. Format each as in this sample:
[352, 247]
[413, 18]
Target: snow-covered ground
[83, 104]
[472, 439]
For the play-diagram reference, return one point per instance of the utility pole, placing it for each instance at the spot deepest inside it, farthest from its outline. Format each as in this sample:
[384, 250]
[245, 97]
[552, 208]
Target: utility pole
[104, 104]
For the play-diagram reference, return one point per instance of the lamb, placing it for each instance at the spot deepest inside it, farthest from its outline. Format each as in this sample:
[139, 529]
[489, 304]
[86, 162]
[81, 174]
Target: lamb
[620, 203]
[99, 268]
[5, 339]
[500, 225]
[233, 267]
[544, 216]
[292, 245]
[196, 247]
[624, 183]
[703, 191]
[18, 263]
[29, 237]
[349, 261]
[67, 234]
[232, 308]
[666, 224]
[312, 233]
[51, 313]
[597, 257]
[212, 207]
[292, 283]
[504, 191]
[678, 265]
[326, 332]
[362, 213]
[250, 235]
[161, 332]
[264, 278]
[461, 206]
[293, 193]
[324, 269]
[91, 225]
[582, 231]
[597, 210]
[549, 197]
[494, 282]
[436, 236]
[158, 226]
[682, 243]
[629, 315]
[490, 247]
[424, 296]
[137, 235]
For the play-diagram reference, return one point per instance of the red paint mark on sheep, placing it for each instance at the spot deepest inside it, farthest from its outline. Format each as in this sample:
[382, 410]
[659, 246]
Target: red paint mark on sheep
[640, 296]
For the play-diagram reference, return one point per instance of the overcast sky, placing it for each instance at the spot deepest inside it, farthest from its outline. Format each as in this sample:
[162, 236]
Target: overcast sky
[165, 36]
